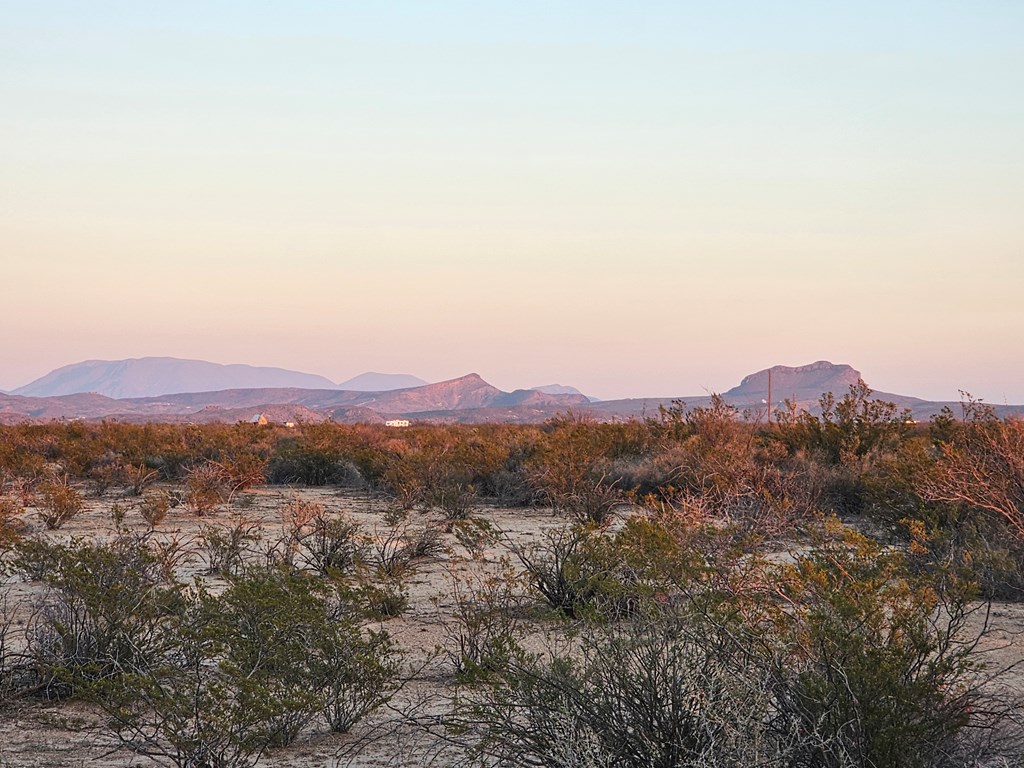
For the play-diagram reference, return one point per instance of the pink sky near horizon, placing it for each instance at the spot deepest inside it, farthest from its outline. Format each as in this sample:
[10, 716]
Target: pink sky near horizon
[635, 206]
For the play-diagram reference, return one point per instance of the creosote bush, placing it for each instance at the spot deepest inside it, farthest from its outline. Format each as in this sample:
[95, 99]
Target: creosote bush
[486, 629]
[60, 502]
[576, 572]
[153, 507]
[646, 696]
[103, 613]
[229, 547]
[840, 658]
[249, 669]
[206, 487]
[12, 526]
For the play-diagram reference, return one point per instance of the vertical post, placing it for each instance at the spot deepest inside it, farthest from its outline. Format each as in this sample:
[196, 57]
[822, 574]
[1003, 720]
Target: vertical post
[769, 396]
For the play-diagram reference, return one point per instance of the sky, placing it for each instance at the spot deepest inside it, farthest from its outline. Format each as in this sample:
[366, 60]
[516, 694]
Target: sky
[635, 199]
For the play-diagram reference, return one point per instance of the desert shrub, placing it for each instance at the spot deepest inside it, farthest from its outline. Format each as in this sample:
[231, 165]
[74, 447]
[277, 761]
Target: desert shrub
[484, 632]
[713, 458]
[574, 569]
[569, 471]
[102, 615]
[841, 658]
[677, 558]
[25, 489]
[394, 550]
[314, 540]
[296, 464]
[848, 431]
[383, 598]
[172, 465]
[504, 478]
[951, 541]
[981, 467]
[242, 470]
[11, 525]
[60, 502]
[268, 624]
[389, 552]
[357, 674]
[18, 675]
[510, 487]
[429, 473]
[104, 472]
[647, 696]
[424, 542]
[958, 492]
[206, 487]
[153, 507]
[448, 467]
[137, 478]
[475, 535]
[295, 515]
[228, 547]
[331, 545]
[875, 662]
[173, 553]
[250, 669]
[453, 497]
[33, 558]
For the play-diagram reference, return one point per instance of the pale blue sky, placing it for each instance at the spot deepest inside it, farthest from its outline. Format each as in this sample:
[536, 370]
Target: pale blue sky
[635, 201]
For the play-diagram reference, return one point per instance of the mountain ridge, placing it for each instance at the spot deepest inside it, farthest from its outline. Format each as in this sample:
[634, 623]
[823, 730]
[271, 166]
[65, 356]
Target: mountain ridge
[801, 382]
[157, 376]
[467, 399]
[153, 376]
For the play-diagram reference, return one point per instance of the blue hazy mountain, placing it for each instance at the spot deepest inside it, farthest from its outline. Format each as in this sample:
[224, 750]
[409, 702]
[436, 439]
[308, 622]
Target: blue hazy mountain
[152, 376]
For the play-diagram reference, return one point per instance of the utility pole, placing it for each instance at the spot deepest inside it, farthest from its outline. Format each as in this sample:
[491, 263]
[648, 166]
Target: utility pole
[769, 397]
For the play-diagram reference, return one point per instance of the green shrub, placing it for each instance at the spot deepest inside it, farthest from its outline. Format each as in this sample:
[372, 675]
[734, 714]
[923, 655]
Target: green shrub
[249, 669]
[293, 464]
[875, 662]
[484, 633]
[330, 546]
[576, 571]
[228, 547]
[645, 696]
[103, 614]
[842, 658]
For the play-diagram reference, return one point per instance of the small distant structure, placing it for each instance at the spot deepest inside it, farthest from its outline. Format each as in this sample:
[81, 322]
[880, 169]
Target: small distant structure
[259, 419]
[289, 425]
[396, 423]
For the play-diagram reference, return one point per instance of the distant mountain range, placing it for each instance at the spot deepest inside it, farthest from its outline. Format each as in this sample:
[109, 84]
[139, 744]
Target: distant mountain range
[467, 399]
[154, 376]
[150, 376]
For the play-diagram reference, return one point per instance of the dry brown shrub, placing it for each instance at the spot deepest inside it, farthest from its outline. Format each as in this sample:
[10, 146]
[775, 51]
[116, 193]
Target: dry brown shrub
[60, 502]
[982, 468]
[206, 486]
[154, 507]
[12, 526]
[139, 477]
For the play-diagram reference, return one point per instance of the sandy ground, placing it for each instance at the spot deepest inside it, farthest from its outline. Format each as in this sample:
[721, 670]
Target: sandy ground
[35, 733]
